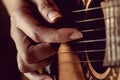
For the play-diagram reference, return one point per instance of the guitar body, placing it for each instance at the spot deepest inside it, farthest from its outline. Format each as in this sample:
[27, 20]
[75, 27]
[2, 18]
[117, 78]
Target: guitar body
[69, 66]
[71, 69]
[83, 59]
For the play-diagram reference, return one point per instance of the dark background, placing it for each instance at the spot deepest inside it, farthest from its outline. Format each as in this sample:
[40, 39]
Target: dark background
[8, 64]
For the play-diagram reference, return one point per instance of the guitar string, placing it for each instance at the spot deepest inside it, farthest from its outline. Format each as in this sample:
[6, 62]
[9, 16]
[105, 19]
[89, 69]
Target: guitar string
[82, 51]
[89, 30]
[83, 61]
[93, 29]
[96, 19]
[94, 8]
[89, 51]
[90, 41]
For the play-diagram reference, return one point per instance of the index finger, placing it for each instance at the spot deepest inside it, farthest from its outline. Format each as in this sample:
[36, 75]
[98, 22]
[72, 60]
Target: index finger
[25, 21]
[48, 9]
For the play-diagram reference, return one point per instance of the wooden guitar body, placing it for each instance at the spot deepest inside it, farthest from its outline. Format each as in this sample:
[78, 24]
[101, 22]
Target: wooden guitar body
[69, 64]
[71, 69]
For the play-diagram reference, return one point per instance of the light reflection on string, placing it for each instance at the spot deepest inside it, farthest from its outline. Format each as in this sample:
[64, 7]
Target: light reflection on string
[83, 61]
[90, 41]
[90, 30]
[84, 51]
[94, 8]
[96, 19]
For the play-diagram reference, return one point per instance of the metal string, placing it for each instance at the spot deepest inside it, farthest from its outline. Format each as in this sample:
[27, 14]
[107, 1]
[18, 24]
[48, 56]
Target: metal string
[83, 61]
[84, 51]
[93, 8]
[109, 39]
[95, 19]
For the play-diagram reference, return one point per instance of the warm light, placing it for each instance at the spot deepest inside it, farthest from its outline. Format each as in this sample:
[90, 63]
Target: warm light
[86, 3]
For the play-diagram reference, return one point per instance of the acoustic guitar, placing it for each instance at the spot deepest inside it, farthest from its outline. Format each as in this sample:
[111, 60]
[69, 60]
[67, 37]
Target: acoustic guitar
[97, 55]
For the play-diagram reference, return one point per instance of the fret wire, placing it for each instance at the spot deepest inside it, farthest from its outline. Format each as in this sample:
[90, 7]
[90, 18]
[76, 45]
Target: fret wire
[84, 51]
[110, 41]
[117, 54]
[114, 39]
[108, 36]
[117, 35]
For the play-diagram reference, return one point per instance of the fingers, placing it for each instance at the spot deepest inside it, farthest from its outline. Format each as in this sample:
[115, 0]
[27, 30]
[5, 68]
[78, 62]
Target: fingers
[60, 35]
[25, 21]
[23, 18]
[35, 76]
[48, 9]
[25, 68]
[31, 52]
[39, 33]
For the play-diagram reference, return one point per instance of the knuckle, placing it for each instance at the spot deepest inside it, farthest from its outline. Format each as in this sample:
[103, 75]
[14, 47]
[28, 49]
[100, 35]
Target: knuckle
[58, 37]
[11, 33]
[46, 4]
[29, 57]
[12, 30]
[23, 69]
[23, 66]
[35, 36]
[14, 15]
[16, 12]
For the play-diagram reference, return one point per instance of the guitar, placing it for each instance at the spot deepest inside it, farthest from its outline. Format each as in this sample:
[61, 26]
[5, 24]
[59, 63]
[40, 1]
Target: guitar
[97, 55]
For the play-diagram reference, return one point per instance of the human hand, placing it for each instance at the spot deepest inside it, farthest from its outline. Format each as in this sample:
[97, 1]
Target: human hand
[33, 39]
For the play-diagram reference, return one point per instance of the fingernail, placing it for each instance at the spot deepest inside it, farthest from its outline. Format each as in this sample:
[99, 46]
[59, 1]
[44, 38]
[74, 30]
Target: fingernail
[47, 79]
[54, 16]
[76, 35]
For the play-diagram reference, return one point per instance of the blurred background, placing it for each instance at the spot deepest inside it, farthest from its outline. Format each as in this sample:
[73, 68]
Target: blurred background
[8, 64]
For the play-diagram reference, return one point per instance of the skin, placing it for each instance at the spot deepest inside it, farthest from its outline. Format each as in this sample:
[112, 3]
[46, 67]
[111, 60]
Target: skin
[25, 30]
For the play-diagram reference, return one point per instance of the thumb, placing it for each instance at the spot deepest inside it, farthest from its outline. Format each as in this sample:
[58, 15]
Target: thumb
[48, 10]
[59, 36]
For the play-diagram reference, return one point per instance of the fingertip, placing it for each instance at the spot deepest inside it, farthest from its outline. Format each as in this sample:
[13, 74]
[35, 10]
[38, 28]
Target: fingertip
[54, 16]
[76, 35]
